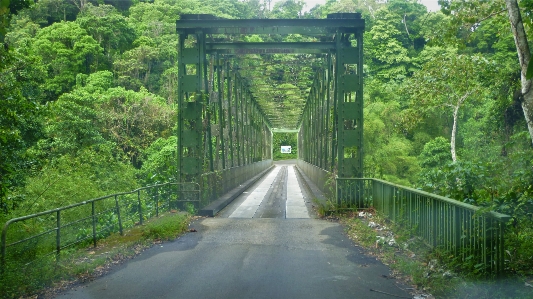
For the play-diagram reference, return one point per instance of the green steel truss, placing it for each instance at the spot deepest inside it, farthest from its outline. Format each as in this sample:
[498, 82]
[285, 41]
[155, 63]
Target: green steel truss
[221, 125]
[331, 131]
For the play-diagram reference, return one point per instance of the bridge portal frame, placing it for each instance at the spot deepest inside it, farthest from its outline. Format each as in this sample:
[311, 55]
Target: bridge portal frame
[221, 125]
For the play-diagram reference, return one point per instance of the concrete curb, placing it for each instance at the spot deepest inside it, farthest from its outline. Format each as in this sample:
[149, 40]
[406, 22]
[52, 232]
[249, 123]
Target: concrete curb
[213, 208]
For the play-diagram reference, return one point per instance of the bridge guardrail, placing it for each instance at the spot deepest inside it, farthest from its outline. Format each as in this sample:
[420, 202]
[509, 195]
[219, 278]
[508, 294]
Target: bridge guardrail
[217, 183]
[460, 228]
[47, 233]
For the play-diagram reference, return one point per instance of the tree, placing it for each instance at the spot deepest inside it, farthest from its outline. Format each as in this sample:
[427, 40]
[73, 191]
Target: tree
[394, 39]
[388, 58]
[134, 120]
[288, 9]
[7, 9]
[472, 13]
[66, 50]
[20, 115]
[447, 81]
[524, 57]
[108, 27]
[159, 161]
[388, 154]
[135, 66]
[47, 12]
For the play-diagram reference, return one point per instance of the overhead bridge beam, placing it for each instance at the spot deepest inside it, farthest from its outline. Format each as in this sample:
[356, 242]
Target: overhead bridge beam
[207, 24]
[275, 130]
[271, 48]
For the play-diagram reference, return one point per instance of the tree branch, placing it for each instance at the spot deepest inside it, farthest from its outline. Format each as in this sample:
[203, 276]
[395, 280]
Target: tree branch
[405, 24]
[492, 15]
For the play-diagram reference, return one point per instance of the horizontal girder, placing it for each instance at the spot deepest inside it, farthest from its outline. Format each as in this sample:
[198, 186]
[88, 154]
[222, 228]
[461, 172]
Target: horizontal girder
[270, 26]
[271, 48]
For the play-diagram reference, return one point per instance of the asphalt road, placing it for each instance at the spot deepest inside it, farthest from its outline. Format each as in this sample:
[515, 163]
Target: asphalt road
[251, 258]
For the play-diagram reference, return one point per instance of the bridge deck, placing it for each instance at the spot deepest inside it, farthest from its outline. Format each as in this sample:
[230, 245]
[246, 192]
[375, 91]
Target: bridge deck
[279, 194]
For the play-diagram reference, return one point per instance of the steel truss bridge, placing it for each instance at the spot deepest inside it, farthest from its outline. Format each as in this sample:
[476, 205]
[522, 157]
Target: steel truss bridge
[222, 120]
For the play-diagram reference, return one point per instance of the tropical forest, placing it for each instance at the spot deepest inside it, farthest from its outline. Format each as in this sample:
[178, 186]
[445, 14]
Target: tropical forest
[88, 99]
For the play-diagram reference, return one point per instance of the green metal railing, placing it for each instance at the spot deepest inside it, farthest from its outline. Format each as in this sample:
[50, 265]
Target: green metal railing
[323, 179]
[217, 183]
[38, 236]
[473, 236]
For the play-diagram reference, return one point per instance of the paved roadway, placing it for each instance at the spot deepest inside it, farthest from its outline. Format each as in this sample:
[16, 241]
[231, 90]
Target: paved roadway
[266, 244]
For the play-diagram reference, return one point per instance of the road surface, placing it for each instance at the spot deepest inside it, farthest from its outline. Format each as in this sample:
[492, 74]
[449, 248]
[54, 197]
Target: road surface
[266, 244]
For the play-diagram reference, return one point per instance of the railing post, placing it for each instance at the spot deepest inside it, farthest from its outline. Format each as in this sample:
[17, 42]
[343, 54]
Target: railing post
[3, 249]
[58, 234]
[169, 192]
[157, 201]
[94, 223]
[198, 195]
[118, 215]
[434, 223]
[140, 207]
[501, 247]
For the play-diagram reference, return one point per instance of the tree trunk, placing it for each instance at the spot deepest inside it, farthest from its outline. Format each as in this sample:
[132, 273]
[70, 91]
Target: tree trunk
[524, 57]
[454, 132]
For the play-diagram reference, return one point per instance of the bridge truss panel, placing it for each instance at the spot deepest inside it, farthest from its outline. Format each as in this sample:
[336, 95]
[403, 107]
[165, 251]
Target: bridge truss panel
[331, 127]
[221, 125]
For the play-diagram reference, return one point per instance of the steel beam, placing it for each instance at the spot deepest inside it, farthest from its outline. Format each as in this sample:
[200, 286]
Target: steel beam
[271, 26]
[271, 48]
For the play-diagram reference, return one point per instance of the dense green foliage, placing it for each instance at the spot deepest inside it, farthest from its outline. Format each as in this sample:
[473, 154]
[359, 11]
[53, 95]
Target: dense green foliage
[88, 95]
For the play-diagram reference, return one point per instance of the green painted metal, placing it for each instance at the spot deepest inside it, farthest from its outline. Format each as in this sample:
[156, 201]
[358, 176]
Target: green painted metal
[450, 225]
[60, 228]
[212, 25]
[270, 48]
[234, 128]
[333, 115]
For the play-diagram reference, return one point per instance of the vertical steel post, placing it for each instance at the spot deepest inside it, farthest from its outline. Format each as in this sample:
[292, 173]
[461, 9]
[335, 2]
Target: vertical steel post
[140, 207]
[169, 195]
[157, 201]
[93, 217]
[329, 116]
[231, 115]
[117, 206]
[58, 233]
[193, 107]
[206, 97]
[182, 71]
[238, 118]
[221, 117]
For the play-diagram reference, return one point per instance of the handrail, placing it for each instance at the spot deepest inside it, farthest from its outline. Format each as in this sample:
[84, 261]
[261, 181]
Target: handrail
[57, 211]
[500, 216]
[442, 222]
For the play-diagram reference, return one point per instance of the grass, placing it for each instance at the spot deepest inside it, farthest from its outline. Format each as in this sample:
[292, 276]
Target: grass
[46, 277]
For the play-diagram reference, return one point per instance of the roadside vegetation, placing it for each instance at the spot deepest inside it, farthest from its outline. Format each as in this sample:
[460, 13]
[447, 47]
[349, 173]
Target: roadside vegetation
[431, 272]
[46, 277]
